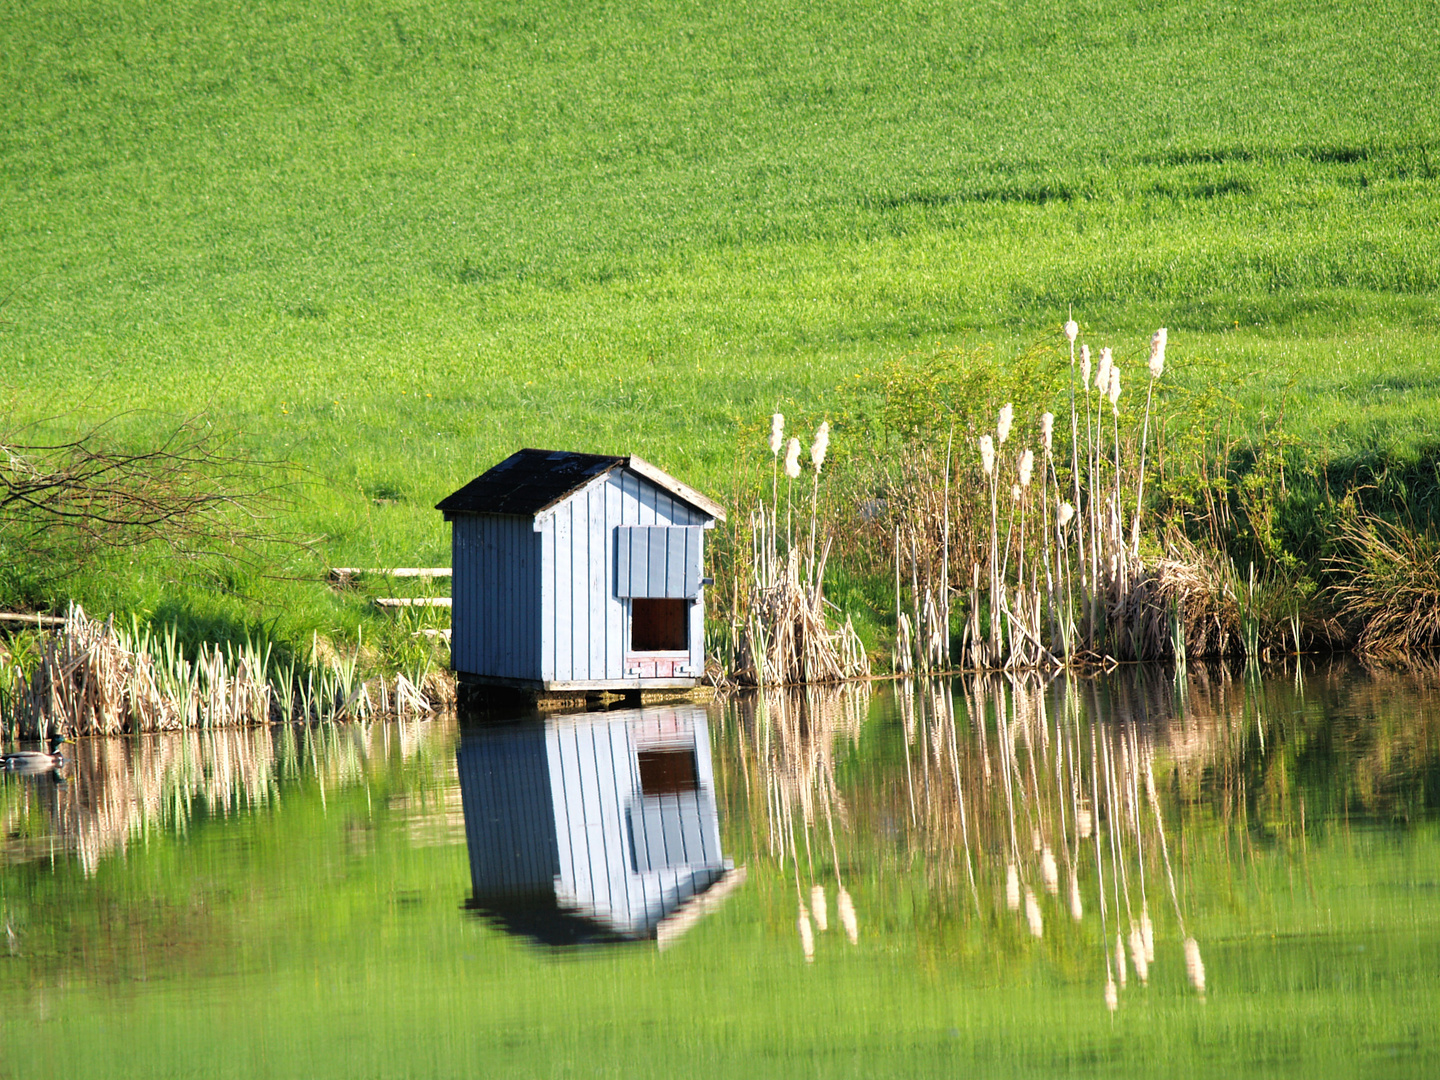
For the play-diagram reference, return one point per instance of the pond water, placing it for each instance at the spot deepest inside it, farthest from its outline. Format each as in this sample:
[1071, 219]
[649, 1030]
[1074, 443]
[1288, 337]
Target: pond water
[1128, 875]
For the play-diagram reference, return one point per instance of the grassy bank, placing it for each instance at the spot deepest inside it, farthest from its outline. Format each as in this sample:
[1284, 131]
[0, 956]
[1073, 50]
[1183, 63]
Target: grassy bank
[395, 244]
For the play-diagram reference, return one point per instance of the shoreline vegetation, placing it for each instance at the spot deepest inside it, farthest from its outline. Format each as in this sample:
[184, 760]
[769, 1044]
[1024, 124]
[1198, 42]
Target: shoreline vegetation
[1134, 522]
[1103, 517]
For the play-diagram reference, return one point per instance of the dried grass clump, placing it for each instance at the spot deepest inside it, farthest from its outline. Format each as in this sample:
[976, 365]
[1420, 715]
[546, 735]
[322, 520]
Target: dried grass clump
[1389, 584]
[1173, 610]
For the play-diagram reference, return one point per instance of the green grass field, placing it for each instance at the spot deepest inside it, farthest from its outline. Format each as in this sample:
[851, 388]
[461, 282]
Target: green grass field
[393, 243]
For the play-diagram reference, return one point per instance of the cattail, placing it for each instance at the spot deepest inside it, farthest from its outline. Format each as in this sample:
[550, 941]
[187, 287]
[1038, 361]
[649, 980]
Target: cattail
[1114, 388]
[1012, 887]
[1049, 873]
[1112, 997]
[777, 432]
[1137, 955]
[1077, 909]
[1047, 430]
[987, 454]
[1157, 354]
[847, 917]
[1084, 365]
[792, 459]
[1032, 915]
[1064, 514]
[820, 445]
[1015, 492]
[807, 935]
[1027, 467]
[1072, 330]
[1084, 822]
[1007, 417]
[1194, 966]
[1102, 370]
[1120, 957]
[1036, 842]
[1147, 933]
[819, 908]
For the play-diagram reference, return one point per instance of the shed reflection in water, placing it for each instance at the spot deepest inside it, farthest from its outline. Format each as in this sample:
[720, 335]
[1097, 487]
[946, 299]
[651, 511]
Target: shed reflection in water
[591, 827]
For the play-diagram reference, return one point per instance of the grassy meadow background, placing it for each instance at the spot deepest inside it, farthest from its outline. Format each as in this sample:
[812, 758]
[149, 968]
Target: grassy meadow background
[393, 243]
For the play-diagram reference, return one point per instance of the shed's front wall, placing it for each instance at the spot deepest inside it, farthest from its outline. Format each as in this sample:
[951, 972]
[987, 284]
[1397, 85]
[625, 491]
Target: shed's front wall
[584, 626]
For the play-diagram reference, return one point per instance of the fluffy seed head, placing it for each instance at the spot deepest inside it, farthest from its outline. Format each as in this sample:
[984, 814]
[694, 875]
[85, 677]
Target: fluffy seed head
[1114, 388]
[987, 455]
[1084, 365]
[1064, 514]
[1072, 330]
[1194, 966]
[1027, 467]
[1049, 872]
[1032, 915]
[1112, 996]
[792, 459]
[1084, 822]
[807, 935]
[847, 917]
[1137, 955]
[1077, 909]
[1102, 370]
[1147, 932]
[1047, 431]
[777, 432]
[820, 445]
[1002, 428]
[1012, 887]
[819, 908]
[1157, 354]
[1015, 492]
[1120, 957]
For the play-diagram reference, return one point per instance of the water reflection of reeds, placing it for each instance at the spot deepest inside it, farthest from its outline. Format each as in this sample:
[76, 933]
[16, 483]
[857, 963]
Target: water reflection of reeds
[115, 789]
[1071, 813]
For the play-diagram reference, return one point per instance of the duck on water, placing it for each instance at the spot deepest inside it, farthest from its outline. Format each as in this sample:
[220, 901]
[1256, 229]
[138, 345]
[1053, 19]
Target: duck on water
[32, 762]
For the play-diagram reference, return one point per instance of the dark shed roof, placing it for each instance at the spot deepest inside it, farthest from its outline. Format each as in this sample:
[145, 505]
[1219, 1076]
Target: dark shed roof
[531, 481]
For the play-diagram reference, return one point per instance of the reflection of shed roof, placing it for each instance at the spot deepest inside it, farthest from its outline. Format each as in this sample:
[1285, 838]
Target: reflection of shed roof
[529, 482]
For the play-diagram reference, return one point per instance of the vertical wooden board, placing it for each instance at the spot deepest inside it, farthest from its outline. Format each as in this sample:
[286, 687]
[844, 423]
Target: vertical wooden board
[592, 848]
[656, 561]
[615, 609]
[630, 506]
[559, 614]
[614, 744]
[579, 588]
[694, 560]
[599, 568]
[503, 643]
[647, 503]
[677, 544]
[534, 641]
[566, 768]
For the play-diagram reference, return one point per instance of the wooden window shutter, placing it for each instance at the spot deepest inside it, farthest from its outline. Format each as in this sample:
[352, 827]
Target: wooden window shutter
[656, 561]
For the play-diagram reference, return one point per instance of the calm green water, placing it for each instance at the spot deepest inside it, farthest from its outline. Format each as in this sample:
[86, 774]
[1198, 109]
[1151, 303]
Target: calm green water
[292, 903]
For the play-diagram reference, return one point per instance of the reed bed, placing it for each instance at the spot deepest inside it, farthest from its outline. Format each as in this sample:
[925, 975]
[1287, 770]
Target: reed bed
[1021, 538]
[783, 635]
[98, 678]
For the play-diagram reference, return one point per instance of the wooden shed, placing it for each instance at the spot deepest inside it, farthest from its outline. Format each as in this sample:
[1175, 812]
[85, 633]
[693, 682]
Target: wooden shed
[592, 826]
[578, 572]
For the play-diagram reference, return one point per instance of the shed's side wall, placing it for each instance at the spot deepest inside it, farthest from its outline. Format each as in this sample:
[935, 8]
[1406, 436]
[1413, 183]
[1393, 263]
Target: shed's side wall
[582, 622]
[496, 596]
